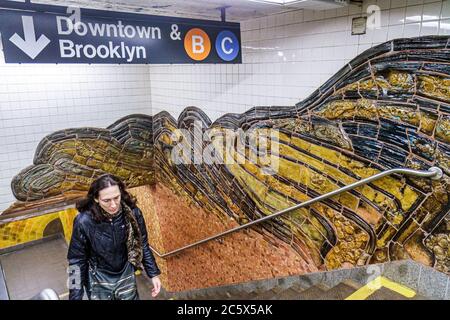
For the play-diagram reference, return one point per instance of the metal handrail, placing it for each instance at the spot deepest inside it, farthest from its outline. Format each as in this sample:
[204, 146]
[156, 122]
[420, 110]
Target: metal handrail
[434, 173]
[46, 294]
[4, 293]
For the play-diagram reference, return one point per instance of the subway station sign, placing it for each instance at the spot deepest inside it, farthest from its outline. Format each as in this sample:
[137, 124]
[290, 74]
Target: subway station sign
[33, 33]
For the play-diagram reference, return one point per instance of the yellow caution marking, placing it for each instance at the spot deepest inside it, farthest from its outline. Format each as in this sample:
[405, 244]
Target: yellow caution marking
[400, 289]
[364, 292]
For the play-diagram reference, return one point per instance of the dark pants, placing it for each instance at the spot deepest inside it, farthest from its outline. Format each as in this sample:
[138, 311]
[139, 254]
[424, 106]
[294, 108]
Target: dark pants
[106, 285]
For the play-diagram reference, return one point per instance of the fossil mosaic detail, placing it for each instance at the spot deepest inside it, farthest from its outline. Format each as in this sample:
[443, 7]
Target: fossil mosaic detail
[389, 107]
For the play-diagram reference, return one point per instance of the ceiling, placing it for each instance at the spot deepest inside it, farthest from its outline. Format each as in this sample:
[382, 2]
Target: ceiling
[238, 10]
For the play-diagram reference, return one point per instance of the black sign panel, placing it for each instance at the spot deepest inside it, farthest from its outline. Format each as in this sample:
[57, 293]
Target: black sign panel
[52, 34]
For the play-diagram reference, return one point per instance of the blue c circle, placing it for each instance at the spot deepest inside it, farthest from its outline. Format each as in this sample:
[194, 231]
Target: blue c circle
[227, 45]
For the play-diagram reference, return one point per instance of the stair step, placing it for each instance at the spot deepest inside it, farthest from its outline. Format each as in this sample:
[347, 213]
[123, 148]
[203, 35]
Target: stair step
[341, 290]
[269, 294]
[298, 287]
[289, 294]
[211, 296]
[242, 296]
[386, 294]
[313, 293]
[238, 293]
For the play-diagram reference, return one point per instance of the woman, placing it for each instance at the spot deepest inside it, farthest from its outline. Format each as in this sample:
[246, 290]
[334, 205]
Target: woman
[109, 243]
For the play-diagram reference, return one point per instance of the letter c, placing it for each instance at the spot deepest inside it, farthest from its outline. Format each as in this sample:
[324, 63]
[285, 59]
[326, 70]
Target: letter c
[227, 39]
[227, 45]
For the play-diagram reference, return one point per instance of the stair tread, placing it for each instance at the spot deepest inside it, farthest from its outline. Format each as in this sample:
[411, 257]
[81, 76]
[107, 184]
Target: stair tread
[238, 295]
[298, 287]
[386, 294]
[269, 294]
[289, 289]
[340, 291]
[212, 296]
[288, 294]
[313, 293]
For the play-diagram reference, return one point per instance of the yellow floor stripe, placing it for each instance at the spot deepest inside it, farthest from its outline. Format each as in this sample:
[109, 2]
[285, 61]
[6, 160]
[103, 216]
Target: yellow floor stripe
[364, 292]
[394, 286]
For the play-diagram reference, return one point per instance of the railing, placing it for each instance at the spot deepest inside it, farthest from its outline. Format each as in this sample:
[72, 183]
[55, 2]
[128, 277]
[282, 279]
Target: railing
[434, 173]
[46, 294]
[4, 295]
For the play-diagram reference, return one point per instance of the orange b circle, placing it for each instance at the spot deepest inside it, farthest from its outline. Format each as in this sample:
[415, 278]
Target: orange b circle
[197, 44]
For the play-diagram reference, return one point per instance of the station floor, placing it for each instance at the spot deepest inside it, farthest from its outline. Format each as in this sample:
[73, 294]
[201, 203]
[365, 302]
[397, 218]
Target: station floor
[43, 265]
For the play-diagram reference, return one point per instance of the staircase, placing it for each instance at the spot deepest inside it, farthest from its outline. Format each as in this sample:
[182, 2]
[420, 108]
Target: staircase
[25, 272]
[342, 291]
[400, 280]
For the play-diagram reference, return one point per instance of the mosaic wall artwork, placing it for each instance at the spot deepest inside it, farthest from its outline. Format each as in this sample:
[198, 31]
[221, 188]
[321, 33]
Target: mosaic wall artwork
[213, 264]
[23, 231]
[173, 222]
[389, 107]
[67, 161]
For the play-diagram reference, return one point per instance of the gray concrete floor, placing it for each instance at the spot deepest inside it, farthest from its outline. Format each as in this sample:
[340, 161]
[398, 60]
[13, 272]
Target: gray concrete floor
[43, 265]
[31, 269]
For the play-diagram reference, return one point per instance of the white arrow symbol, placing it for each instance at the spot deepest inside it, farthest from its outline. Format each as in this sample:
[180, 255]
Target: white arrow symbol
[30, 46]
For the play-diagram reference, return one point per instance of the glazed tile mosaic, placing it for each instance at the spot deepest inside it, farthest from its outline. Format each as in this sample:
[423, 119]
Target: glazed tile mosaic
[173, 222]
[389, 107]
[23, 231]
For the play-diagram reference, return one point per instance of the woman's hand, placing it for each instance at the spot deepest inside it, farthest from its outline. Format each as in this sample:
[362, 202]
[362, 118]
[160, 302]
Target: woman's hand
[156, 286]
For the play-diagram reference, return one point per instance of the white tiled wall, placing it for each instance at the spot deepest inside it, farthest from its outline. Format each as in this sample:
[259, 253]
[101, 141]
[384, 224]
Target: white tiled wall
[36, 100]
[287, 56]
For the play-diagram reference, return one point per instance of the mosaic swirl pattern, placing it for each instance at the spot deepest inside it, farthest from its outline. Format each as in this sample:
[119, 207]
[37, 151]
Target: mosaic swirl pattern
[67, 161]
[387, 108]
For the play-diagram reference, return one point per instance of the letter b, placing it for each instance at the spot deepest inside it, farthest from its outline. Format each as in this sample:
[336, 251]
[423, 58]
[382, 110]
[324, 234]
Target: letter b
[197, 44]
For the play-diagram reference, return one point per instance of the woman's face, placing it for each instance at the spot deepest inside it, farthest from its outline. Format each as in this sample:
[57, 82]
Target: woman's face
[109, 199]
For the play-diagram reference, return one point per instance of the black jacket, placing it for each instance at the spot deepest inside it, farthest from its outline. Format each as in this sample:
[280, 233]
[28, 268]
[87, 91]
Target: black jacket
[103, 244]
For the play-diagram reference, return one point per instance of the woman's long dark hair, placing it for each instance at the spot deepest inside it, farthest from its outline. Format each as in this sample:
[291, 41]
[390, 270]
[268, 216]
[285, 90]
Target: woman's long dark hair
[102, 182]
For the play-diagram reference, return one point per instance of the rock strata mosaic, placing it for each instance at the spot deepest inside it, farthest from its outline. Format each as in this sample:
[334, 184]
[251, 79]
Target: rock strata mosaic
[67, 161]
[389, 107]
